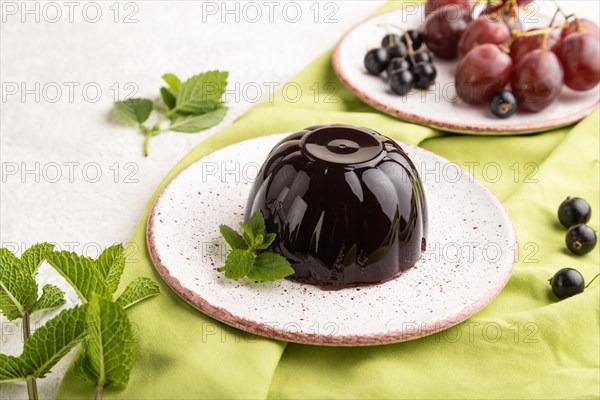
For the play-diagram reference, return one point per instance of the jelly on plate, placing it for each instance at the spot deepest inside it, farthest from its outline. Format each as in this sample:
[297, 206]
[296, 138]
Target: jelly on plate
[347, 205]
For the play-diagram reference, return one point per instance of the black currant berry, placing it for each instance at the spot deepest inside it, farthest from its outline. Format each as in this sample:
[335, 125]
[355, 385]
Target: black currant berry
[401, 82]
[566, 283]
[397, 50]
[390, 40]
[376, 60]
[573, 211]
[415, 36]
[581, 239]
[397, 64]
[422, 56]
[425, 74]
[503, 104]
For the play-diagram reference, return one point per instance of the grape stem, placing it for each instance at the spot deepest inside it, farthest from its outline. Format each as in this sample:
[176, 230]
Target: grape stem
[578, 24]
[544, 43]
[558, 11]
[542, 31]
[536, 32]
[496, 15]
[580, 27]
[513, 8]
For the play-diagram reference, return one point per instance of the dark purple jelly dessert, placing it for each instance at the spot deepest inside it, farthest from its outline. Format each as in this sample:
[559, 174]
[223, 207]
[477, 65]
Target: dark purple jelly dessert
[346, 203]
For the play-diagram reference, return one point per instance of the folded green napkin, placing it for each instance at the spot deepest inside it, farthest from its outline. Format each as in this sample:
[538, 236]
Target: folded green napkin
[525, 344]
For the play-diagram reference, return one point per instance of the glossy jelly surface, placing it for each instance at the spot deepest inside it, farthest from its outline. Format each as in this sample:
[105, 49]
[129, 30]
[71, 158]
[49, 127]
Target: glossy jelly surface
[347, 205]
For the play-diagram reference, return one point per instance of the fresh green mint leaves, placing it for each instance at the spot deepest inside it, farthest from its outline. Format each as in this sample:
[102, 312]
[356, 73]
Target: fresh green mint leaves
[108, 352]
[100, 323]
[190, 106]
[18, 288]
[242, 260]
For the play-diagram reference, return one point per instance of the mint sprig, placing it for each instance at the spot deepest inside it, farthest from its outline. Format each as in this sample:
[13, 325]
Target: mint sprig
[100, 323]
[190, 106]
[19, 299]
[242, 261]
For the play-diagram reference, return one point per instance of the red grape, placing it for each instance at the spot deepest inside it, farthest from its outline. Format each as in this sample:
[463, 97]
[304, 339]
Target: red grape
[433, 5]
[587, 25]
[579, 55]
[480, 31]
[524, 45]
[481, 73]
[556, 48]
[537, 80]
[444, 28]
[491, 9]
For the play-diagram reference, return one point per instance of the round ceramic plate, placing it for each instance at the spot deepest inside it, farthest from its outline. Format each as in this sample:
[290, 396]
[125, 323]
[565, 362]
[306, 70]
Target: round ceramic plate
[469, 258]
[440, 107]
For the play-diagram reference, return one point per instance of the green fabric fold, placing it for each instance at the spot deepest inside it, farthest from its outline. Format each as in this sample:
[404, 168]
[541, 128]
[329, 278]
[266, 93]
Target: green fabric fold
[525, 344]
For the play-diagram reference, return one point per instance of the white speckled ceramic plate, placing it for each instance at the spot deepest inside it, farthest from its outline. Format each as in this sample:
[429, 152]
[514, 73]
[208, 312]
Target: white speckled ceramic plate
[440, 107]
[469, 259]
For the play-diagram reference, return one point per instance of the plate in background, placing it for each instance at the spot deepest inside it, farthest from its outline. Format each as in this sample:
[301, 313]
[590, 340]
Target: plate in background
[439, 107]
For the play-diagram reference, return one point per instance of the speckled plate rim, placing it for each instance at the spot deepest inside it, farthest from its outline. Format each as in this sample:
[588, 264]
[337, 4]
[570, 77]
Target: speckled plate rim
[226, 317]
[465, 128]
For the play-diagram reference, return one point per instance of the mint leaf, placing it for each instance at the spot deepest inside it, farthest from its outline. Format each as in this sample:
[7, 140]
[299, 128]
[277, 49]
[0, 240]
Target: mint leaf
[197, 123]
[202, 92]
[248, 235]
[51, 342]
[18, 289]
[84, 370]
[254, 230]
[258, 240]
[135, 110]
[168, 98]
[111, 264]
[270, 267]
[173, 81]
[267, 241]
[238, 264]
[8, 258]
[11, 368]
[139, 289]
[81, 272]
[52, 297]
[234, 239]
[256, 223]
[33, 257]
[109, 344]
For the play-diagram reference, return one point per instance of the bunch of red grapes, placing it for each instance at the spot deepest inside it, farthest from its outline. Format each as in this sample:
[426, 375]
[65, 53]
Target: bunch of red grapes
[496, 54]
